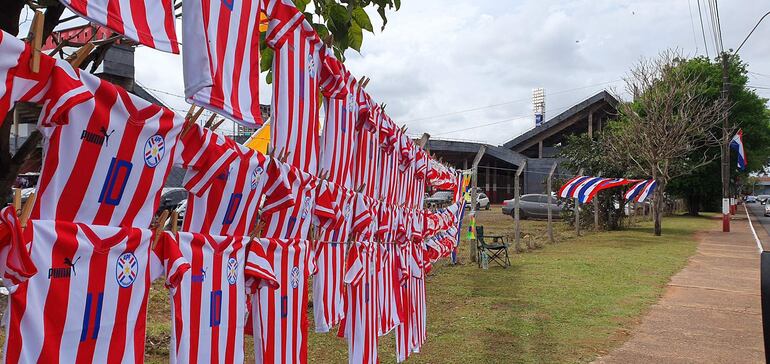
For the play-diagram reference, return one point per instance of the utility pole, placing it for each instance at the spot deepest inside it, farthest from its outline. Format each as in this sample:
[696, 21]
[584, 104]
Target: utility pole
[725, 148]
[474, 195]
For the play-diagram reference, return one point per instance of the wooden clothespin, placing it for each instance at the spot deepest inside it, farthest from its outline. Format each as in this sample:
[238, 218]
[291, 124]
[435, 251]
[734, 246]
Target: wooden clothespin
[80, 55]
[329, 41]
[365, 82]
[217, 124]
[175, 222]
[26, 210]
[361, 188]
[189, 122]
[17, 200]
[160, 224]
[256, 233]
[36, 36]
[210, 121]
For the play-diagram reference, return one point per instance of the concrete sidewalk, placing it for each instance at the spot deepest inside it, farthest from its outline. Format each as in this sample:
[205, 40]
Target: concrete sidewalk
[710, 312]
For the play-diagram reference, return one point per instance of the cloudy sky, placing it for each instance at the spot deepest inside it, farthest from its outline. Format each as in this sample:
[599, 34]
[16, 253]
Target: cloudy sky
[465, 69]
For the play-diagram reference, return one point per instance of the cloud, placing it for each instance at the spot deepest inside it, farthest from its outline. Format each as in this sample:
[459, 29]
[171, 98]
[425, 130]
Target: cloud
[439, 57]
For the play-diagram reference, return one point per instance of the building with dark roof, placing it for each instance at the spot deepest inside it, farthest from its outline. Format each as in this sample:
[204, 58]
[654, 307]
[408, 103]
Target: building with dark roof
[538, 147]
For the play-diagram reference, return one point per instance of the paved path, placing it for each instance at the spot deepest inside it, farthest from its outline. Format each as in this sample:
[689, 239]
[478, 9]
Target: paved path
[710, 312]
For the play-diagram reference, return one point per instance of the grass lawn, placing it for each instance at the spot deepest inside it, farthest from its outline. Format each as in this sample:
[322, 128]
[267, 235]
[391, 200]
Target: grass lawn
[567, 302]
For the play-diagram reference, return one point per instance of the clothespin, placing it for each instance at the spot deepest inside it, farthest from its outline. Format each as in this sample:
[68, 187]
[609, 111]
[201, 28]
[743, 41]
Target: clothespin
[189, 122]
[329, 41]
[215, 126]
[159, 227]
[210, 121]
[80, 55]
[361, 188]
[36, 36]
[17, 200]
[26, 210]
[283, 156]
[175, 222]
[257, 231]
[365, 82]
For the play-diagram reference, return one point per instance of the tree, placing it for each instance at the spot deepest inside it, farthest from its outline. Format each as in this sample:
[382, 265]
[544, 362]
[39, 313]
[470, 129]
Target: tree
[344, 19]
[595, 157]
[703, 188]
[670, 120]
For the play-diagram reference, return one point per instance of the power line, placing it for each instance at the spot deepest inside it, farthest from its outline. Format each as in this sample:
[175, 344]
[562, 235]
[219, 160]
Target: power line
[692, 23]
[561, 109]
[703, 30]
[752, 31]
[507, 102]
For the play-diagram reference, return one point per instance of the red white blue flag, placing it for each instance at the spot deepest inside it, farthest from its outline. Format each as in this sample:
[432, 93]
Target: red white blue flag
[584, 188]
[737, 144]
[641, 190]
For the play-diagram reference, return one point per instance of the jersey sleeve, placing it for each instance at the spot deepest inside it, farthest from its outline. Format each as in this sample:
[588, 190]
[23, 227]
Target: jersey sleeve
[205, 154]
[277, 190]
[283, 19]
[168, 261]
[57, 87]
[258, 270]
[354, 267]
[326, 209]
[362, 216]
[15, 263]
[333, 82]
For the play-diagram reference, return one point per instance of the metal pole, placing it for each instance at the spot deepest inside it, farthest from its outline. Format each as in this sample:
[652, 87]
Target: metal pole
[596, 209]
[549, 193]
[725, 150]
[516, 205]
[474, 195]
[577, 209]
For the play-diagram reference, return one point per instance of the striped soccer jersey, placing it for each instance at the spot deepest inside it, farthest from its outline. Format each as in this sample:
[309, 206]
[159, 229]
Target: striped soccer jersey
[388, 310]
[328, 300]
[338, 142]
[231, 205]
[88, 301]
[367, 153]
[209, 304]
[106, 159]
[56, 86]
[149, 22]
[296, 65]
[221, 57]
[360, 325]
[280, 315]
[294, 221]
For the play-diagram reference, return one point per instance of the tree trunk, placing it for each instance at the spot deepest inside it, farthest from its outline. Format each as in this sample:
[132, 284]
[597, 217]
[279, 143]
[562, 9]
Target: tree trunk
[658, 205]
[693, 205]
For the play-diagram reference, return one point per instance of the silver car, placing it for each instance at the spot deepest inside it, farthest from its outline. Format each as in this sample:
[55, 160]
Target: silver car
[534, 206]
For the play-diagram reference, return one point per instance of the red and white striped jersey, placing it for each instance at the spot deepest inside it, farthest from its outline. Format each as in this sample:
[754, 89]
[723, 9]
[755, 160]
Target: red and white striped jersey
[209, 305]
[360, 325]
[279, 316]
[367, 153]
[231, 205]
[88, 301]
[56, 86]
[338, 141]
[106, 159]
[221, 57]
[294, 221]
[149, 22]
[388, 311]
[296, 79]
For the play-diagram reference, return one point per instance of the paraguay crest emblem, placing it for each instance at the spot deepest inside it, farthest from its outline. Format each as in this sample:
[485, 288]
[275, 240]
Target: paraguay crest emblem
[232, 270]
[126, 269]
[154, 149]
[294, 279]
[255, 177]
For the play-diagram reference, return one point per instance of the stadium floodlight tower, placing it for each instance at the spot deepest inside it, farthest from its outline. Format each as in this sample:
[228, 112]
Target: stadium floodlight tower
[538, 105]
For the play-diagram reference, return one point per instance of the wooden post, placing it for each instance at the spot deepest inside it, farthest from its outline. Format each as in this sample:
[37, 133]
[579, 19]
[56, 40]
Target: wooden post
[474, 195]
[590, 124]
[577, 209]
[596, 209]
[516, 205]
[549, 191]
[540, 149]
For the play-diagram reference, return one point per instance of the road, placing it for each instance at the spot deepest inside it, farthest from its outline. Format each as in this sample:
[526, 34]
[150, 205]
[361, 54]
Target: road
[757, 210]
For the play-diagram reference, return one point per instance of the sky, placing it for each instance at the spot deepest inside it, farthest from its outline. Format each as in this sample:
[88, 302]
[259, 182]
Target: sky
[465, 69]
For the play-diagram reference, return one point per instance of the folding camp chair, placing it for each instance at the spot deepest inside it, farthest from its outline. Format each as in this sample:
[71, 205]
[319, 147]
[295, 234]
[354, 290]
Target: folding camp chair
[497, 251]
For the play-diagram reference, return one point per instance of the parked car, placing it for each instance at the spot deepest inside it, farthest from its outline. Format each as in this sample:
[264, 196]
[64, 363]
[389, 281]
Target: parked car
[533, 206]
[767, 210]
[762, 198]
[751, 199]
[440, 198]
[170, 198]
[482, 201]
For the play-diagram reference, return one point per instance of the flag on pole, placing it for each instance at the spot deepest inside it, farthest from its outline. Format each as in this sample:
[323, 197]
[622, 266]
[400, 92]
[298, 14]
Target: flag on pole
[737, 144]
[640, 191]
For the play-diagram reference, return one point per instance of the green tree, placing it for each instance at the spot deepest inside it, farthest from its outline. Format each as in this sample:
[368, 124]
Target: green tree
[702, 190]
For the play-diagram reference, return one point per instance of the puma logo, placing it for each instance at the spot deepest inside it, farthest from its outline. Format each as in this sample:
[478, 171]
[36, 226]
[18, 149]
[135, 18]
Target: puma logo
[65, 272]
[106, 135]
